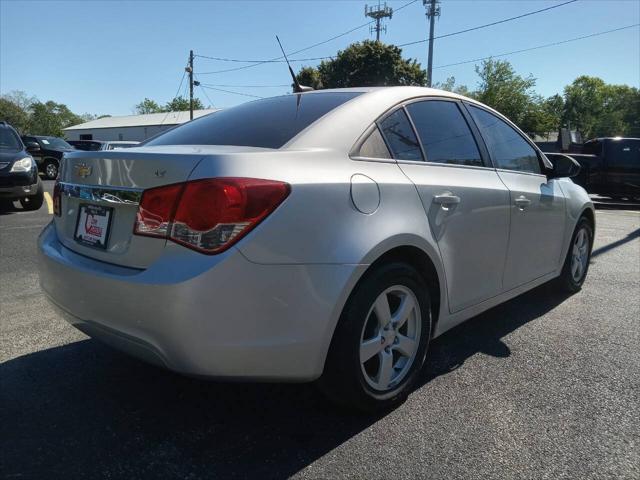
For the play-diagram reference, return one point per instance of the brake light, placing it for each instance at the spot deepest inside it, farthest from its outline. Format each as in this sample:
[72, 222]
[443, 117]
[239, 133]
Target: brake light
[57, 198]
[156, 209]
[208, 215]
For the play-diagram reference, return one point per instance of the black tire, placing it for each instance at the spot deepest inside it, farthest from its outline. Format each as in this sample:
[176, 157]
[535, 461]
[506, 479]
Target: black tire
[343, 380]
[34, 202]
[566, 280]
[50, 169]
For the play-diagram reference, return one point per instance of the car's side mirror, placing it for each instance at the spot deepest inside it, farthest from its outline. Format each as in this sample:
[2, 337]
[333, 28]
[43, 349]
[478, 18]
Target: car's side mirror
[563, 167]
[33, 147]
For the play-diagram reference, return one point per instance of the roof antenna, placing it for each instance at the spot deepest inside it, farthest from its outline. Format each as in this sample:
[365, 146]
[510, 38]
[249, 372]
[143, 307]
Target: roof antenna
[297, 88]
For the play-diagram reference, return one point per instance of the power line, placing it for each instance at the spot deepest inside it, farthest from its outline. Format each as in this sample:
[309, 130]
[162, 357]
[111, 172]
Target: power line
[249, 86]
[538, 47]
[177, 92]
[275, 59]
[214, 86]
[207, 95]
[488, 24]
[237, 60]
[204, 85]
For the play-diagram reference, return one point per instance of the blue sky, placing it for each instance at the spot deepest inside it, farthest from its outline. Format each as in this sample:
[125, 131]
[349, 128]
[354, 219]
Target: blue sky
[103, 57]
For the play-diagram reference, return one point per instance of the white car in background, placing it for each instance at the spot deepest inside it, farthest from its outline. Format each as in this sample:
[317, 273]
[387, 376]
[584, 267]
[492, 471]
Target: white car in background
[327, 236]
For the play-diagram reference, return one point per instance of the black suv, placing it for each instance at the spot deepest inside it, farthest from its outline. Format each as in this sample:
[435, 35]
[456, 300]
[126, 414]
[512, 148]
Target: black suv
[47, 152]
[18, 172]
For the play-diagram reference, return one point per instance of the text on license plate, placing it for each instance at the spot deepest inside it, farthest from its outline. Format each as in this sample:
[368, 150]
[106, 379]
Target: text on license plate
[93, 225]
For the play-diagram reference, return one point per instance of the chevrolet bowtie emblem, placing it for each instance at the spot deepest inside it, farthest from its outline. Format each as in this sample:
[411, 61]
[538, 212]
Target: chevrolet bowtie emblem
[83, 170]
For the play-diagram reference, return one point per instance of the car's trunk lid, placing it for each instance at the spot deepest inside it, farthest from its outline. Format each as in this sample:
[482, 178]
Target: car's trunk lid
[100, 196]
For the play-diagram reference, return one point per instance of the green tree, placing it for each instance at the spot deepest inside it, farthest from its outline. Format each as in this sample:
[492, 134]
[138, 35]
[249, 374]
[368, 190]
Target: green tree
[50, 118]
[509, 93]
[148, 106]
[596, 108]
[450, 86]
[181, 104]
[584, 102]
[14, 115]
[310, 77]
[363, 64]
[21, 99]
[15, 108]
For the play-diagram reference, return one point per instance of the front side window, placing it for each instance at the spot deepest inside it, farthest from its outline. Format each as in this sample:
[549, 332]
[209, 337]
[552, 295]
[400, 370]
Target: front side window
[400, 136]
[267, 123]
[9, 141]
[507, 148]
[444, 133]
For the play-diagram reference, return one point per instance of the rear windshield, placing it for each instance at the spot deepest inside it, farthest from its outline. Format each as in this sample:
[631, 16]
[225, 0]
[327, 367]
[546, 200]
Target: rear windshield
[87, 146]
[268, 123]
[9, 140]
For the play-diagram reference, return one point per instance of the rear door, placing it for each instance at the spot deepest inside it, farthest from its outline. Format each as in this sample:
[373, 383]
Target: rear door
[537, 204]
[467, 205]
[623, 166]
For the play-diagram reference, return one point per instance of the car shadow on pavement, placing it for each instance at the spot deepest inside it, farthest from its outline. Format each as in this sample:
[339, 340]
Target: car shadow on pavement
[7, 207]
[83, 410]
[618, 243]
[484, 333]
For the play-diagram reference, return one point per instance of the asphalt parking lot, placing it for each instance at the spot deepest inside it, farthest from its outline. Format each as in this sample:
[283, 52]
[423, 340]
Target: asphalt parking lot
[545, 386]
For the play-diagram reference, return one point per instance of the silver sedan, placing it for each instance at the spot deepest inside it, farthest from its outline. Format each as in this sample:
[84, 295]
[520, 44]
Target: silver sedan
[325, 236]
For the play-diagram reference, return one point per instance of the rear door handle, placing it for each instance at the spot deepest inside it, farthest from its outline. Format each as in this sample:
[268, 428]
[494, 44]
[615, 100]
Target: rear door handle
[522, 202]
[446, 199]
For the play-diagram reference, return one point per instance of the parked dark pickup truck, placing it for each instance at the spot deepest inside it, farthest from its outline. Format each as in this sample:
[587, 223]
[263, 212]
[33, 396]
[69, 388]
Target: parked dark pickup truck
[609, 167]
[47, 152]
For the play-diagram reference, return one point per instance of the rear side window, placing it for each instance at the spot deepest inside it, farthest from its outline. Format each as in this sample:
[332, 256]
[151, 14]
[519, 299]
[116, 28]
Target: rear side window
[374, 146]
[624, 154]
[444, 133]
[267, 123]
[594, 148]
[400, 136]
[507, 148]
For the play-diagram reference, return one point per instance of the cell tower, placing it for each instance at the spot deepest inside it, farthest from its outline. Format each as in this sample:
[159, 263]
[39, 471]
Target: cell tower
[378, 13]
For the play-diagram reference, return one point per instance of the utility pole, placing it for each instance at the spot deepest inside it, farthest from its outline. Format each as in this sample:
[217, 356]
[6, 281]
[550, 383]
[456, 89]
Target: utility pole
[189, 69]
[378, 13]
[433, 11]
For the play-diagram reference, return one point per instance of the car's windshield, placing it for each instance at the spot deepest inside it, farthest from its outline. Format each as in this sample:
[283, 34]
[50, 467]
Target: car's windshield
[54, 142]
[268, 123]
[9, 141]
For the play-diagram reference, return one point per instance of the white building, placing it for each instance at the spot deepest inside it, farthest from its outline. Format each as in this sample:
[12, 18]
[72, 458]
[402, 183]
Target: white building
[130, 127]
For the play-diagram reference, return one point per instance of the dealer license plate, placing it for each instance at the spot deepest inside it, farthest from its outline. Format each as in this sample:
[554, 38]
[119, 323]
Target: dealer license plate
[93, 225]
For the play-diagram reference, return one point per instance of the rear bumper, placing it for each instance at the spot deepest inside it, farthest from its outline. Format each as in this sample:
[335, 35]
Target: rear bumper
[213, 316]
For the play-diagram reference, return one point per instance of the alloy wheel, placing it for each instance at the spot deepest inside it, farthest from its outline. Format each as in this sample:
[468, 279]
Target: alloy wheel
[51, 170]
[390, 338]
[580, 255]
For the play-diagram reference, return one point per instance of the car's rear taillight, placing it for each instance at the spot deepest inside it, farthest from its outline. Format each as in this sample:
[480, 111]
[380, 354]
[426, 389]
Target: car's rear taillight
[208, 215]
[156, 210]
[57, 208]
